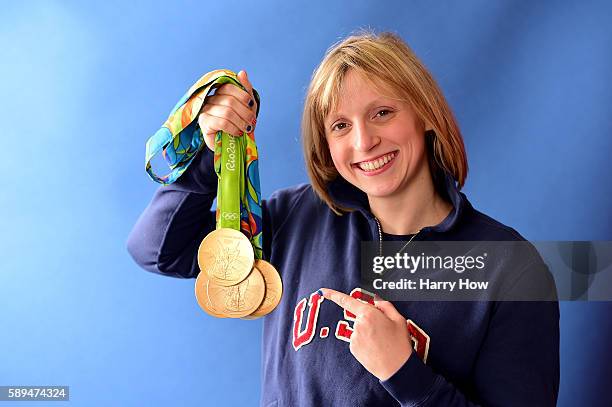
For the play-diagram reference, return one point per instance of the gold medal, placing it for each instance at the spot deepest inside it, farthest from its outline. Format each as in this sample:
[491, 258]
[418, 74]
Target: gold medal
[226, 256]
[234, 301]
[274, 289]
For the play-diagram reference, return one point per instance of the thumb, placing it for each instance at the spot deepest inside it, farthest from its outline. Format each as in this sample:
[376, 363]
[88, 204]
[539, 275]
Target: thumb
[387, 308]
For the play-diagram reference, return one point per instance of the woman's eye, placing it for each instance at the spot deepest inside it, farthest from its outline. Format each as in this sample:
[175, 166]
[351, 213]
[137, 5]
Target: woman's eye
[383, 112]
[339, 126]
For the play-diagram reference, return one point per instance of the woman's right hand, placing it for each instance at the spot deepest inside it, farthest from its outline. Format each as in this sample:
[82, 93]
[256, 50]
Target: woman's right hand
[230, 109]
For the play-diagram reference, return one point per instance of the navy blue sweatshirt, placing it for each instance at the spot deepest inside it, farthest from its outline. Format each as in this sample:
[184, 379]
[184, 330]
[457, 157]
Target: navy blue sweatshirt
[466, 353]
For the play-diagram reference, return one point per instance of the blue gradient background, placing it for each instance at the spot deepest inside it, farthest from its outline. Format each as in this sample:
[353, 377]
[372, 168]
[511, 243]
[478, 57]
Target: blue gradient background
[85, 84]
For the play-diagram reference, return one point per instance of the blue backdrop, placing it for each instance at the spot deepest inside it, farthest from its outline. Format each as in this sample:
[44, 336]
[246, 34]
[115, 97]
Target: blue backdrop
[85, 84]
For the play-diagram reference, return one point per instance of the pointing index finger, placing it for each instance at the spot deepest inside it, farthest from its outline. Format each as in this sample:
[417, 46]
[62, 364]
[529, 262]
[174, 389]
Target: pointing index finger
[346, 301]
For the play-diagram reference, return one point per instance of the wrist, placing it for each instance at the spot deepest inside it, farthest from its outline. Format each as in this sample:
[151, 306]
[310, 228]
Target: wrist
[398, 363]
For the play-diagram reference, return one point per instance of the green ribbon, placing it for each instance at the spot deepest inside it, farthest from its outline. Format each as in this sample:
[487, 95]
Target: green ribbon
[230, 188]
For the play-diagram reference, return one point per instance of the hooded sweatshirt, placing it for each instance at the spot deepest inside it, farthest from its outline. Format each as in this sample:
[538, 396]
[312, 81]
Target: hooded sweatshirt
[503, 353]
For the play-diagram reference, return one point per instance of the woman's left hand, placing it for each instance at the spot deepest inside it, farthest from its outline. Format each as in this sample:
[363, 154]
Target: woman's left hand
[380, 340]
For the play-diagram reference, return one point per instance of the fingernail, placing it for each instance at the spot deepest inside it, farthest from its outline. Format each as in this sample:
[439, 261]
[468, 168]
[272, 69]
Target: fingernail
[320, 292]
[251, 103]
[249, 128]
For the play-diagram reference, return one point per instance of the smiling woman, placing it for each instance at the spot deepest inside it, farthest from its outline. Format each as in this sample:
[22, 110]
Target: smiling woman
[372, 77]
[386, 162]
[376, 143]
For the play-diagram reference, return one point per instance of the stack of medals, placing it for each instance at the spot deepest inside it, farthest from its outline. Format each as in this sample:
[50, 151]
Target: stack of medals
[234, 281]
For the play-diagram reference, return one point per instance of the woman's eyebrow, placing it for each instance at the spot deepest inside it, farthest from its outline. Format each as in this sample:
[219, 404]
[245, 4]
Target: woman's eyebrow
[379, 101]
[333, 116]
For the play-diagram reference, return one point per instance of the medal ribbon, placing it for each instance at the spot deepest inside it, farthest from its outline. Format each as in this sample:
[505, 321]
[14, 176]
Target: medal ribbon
[235, 158]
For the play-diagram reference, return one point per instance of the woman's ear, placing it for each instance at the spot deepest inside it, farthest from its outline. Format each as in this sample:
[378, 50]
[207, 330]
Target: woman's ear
[425, 125]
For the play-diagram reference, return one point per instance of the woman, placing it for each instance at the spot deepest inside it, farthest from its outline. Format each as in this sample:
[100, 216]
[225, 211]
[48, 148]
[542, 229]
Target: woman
[386, 162]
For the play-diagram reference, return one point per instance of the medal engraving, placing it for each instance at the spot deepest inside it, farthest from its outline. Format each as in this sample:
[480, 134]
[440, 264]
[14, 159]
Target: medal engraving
[230, 301]
[226, 255]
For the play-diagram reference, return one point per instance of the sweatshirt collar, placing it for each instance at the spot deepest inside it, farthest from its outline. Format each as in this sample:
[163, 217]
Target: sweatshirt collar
[347, 195]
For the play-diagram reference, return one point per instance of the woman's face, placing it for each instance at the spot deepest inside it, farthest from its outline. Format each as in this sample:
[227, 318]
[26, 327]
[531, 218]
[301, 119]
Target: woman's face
[376, 142]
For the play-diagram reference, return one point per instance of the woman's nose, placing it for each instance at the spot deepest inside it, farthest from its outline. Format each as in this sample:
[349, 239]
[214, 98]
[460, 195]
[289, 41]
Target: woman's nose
[363, 140]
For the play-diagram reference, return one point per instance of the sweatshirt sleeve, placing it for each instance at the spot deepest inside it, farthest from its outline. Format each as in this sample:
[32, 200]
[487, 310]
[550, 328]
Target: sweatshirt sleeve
[166, 236]
[518, 364]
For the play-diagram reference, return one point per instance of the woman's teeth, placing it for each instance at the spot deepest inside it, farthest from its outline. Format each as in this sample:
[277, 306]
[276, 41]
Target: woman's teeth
[376, 164]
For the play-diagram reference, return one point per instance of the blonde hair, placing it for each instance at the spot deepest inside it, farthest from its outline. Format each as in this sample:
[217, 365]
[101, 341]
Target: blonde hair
[388, 59]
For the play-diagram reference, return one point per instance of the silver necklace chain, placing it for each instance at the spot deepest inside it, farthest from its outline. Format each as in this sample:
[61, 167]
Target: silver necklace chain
[380, 238]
